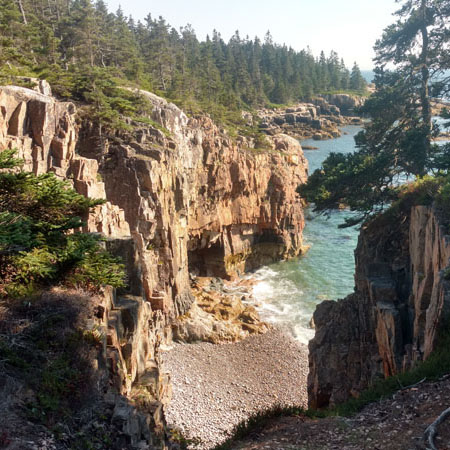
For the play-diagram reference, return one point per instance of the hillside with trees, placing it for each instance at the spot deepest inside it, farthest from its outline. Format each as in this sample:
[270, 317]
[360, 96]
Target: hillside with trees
[86, 52]
[40, 242]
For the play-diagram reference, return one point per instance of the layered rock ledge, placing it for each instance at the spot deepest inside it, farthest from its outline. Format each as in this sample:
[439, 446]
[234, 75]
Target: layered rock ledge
[318, 120]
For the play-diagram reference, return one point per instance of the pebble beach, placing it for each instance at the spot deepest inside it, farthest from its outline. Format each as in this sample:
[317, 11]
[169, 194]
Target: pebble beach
[217, 386]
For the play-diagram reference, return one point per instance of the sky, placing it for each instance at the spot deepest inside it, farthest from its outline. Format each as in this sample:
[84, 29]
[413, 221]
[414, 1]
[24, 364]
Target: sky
[350, 27]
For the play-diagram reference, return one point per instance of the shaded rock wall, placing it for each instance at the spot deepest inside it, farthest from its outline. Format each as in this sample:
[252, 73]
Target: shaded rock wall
[391, 321]
[346, 103]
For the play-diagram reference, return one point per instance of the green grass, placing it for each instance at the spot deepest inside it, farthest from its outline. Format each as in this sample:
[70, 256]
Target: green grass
[271, 105]
[426, 191]
[151, 122]
[437, 365]
[257, 422]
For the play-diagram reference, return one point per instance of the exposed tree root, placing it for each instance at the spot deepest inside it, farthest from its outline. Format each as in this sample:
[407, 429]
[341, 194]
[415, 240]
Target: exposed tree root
[404, 388]
[431, 431]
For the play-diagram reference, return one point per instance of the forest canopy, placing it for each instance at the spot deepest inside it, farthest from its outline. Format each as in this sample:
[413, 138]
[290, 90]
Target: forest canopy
[68, 41]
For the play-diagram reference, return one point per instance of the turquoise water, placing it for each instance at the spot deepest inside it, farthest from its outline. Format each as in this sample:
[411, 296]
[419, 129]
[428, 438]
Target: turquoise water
[288, 292]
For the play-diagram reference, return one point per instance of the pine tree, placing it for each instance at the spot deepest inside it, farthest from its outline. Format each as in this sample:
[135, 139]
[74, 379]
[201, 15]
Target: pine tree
[398, 140]
[334, 69]
[70, 42]
[345, 76]
[38, 245]
[357, 81]
[323, 74]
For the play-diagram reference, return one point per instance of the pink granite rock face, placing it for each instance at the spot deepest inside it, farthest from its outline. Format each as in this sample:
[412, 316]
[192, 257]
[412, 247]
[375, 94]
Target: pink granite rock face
[44, 133]
[181, 198]
[198, 202]
[192, 199]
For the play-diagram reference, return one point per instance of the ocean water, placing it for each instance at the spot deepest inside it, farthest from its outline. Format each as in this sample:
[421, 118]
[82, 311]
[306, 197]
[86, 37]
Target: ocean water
[287, 292]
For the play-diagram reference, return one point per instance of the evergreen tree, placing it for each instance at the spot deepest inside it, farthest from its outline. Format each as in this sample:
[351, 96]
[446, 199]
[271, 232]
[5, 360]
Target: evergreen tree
[334, 69]
[397, 141]
[357, 81]
[345, 76]
[38, 242]
[84, 32]
[70, 42]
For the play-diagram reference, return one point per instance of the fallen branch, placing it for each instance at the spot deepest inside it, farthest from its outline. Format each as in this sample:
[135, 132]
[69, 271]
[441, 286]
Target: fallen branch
[415, 384]
[404, 388]
[431, 431]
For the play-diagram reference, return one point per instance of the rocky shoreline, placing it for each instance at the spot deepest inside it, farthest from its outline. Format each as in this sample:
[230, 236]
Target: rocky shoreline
[222, 312]
[180, 197]
[215, 387]
[392, 321]
[227, 364]
[319, 120]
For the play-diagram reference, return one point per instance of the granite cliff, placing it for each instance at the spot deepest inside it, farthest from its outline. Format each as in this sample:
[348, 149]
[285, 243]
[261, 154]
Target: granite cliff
[391, 321]
[182, 199]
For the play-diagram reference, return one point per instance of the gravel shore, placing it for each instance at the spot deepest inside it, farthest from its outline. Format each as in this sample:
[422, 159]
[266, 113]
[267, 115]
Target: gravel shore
[217, 386]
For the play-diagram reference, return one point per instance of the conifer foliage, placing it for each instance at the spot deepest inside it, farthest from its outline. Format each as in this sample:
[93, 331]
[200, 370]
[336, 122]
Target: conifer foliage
[39, 244]
[68, 41]
[413, 64]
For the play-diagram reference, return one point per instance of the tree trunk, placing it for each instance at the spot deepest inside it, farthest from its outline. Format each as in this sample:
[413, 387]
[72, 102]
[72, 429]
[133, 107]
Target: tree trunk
[58, 14]
[22, 11]
[161, 74]
[424, 91]
[425, 99]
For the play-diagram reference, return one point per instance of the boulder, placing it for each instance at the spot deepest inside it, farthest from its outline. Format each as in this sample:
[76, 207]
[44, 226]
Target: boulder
[290, 118]
[279, 120]
[345, 102]
[317, 124]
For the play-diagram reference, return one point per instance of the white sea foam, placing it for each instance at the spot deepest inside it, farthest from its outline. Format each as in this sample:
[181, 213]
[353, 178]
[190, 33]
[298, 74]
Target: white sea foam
[302, 334]
[278, 300]
[263, 290]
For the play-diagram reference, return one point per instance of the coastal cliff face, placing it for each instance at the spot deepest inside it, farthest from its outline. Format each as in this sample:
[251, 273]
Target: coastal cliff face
[183, 189]
[181, 198]
[391, 321]
[347, 104]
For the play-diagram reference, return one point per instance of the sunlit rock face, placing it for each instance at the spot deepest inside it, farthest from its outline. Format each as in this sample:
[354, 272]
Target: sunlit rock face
[191, 197]
[181, 198]
[319, 120]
